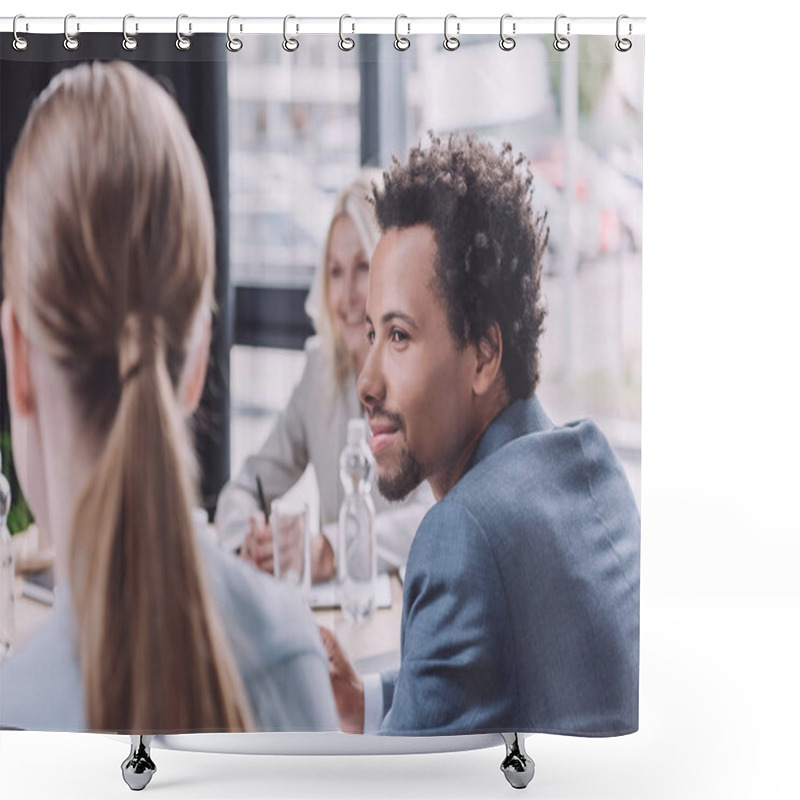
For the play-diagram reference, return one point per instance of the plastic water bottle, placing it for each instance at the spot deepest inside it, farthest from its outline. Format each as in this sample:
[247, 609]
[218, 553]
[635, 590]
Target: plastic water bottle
[357, 556]
[6, 570]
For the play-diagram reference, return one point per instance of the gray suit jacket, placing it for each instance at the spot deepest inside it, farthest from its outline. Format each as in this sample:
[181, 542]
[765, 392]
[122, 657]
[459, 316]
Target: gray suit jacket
[521, 598]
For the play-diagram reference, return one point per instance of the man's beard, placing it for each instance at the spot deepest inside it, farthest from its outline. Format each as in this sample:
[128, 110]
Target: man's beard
[404, 480]
[408, 474]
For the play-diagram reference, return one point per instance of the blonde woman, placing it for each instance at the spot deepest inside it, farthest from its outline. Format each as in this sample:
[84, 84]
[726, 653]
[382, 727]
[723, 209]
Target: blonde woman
[312, 428]
[108, 271]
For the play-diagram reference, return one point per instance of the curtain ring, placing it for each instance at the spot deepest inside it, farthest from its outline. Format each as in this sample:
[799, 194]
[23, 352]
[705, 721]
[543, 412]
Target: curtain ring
[400, 42]
[128, 42]
[623, 45]
[182, 43]
[70, 42]
[345, 42]
[560, 43]
[507, 43]
[233, 44]
[20, 43]
[451, 42]
[289, 44]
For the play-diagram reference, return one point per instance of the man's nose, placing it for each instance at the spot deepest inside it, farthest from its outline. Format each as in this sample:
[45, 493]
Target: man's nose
[370, 384]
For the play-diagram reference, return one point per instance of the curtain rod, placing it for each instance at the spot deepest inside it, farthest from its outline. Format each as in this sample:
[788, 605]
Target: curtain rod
[348, 25]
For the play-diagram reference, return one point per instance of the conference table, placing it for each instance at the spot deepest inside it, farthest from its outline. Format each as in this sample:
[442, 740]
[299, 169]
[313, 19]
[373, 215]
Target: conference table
[375, 642]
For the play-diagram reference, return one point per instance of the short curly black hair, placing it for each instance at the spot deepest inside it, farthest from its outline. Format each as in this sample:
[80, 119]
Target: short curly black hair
[489, 239]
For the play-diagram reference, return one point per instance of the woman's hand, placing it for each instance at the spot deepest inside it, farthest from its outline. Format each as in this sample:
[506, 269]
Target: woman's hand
[348, 688]
[323, 567]
[258, 547]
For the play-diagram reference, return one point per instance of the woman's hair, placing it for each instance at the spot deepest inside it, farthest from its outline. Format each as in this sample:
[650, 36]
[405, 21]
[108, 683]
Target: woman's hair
[355, 202]
[108, 255]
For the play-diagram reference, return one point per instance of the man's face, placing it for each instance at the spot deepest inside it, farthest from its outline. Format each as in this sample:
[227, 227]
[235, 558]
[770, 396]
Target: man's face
[416, 384]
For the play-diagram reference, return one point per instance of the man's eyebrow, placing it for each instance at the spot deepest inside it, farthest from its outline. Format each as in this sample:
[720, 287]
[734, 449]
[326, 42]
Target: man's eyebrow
[392, 315]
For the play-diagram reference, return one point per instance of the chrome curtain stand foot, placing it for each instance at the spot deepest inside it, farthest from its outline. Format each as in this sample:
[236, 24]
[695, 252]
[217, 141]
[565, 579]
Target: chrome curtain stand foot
[138, 768]
[517, 766]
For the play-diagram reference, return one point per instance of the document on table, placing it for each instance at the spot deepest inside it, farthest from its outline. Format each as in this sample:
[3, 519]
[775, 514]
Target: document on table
[39, 586]
[327, 595]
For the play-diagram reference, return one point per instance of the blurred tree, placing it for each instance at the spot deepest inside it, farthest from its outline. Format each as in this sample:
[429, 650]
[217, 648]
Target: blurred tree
[595, 56]
[20, 515]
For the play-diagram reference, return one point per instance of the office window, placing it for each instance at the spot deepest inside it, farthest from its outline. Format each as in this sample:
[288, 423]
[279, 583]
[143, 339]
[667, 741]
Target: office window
[572, 114]
[294, 142]
[578, 118]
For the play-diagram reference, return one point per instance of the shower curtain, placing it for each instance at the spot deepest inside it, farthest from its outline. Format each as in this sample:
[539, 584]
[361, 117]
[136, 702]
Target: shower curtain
[382, 211]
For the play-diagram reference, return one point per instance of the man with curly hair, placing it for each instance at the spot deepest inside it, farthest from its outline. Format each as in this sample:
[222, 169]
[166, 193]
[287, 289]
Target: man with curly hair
[521, 596]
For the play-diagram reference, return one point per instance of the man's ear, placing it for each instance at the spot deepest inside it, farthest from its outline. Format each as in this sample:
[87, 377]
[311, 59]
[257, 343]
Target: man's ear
[489, 357]
[194, 378]
[18, 362]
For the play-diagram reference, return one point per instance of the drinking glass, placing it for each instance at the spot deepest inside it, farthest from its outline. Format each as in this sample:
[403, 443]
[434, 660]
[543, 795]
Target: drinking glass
[290, 539]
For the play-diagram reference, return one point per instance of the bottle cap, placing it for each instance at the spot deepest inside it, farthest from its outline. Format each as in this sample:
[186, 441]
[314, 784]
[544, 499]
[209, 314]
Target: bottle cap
[356, 432]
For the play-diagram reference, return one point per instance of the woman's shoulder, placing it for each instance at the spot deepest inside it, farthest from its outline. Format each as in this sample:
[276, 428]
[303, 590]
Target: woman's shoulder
[265, 619]
[41, 683]
[275, 644]
[313, 346]
[317, 370]
[318, 380]
[317, 360]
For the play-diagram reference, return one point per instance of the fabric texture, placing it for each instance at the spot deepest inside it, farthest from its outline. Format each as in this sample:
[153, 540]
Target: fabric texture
[274, 640]
[521, 597]
[373, 702]
[312, 429]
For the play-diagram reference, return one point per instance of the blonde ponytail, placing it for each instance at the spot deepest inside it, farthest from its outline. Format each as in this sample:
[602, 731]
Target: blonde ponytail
[149, 636]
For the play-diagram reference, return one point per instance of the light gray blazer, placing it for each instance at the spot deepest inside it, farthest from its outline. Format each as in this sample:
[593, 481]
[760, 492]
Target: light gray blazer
[274, 640]
[521, 598]
[312, 429]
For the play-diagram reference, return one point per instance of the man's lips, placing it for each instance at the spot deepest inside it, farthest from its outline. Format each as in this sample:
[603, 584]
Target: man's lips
[383, 434]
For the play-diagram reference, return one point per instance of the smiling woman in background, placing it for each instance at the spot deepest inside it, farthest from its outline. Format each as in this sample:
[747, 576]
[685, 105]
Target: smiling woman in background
[312, 429]
[108, 248]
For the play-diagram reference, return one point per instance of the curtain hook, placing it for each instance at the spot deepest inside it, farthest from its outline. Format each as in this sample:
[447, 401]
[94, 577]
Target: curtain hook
[507, 43]
[345, 42]
[233, 44]
[20, 43]
[560, 43]
[623, 45]
[182, 43]
[400, 42]
[451, 42]
[128, 42]
[70, 42]
[289, 44]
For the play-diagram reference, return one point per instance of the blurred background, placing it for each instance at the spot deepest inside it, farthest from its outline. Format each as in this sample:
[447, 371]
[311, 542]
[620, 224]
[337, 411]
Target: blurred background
[301, 127]
[281, 133]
